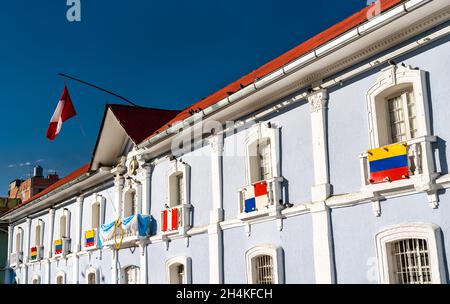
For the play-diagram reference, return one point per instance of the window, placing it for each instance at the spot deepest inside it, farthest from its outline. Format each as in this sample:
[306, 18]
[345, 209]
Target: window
[63, 226]
[178, 176]
[410, 261]
[130, 206]
[39, 234]
[60, 278]
[402, 117]
[262, 153]
[36, 280]
[398, 106]
[262, 266]
[179, 270]
[19, 240]
[180, 189]
[92, 276]
[410, 254]
[131, 275]
[95, 220]
[265, 265]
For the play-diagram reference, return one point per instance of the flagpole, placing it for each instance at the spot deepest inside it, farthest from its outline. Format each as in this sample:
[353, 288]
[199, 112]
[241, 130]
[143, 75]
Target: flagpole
[98, 88]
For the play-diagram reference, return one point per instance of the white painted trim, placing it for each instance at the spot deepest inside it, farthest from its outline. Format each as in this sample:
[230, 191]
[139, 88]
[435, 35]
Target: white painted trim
[275, 252]
[186, 262]
[427, 231]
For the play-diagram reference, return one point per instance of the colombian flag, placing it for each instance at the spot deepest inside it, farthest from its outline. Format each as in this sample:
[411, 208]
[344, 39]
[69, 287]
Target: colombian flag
[58, 246]
[90, 238]
[33, 253]
[389, 163]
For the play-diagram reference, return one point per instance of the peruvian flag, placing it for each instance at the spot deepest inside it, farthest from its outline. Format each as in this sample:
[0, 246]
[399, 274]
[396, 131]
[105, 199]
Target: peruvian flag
[64, 111]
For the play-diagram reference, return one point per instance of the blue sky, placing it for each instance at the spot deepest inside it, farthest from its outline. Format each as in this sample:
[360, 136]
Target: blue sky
[165, 54]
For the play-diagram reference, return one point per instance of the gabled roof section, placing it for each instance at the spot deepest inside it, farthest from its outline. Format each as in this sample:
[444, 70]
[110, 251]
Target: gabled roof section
[139, 122]
[122, 123]
[302, 49]
[71, 177]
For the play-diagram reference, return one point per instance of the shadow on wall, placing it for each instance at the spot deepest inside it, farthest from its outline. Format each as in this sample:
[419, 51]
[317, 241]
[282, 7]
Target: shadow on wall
[441, 144]
[444, 255]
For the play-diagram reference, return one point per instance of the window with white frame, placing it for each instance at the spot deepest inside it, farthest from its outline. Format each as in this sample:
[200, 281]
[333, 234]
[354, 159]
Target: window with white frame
[36, 280]
[178, 180]
[265, 265]
[64, 224]
[410, 254]
[130, 203]
[131, 275]
[60, 278]
[262, 153]
[178, 270]
[92, 276]
[398, 106]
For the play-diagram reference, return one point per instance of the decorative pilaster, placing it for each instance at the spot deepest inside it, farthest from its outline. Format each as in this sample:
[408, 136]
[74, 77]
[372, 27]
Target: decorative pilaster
[322, 188]
[50, 242]
[214, 230]
[119, 184]
[26, 251]
[78, 234]
[146, 173]
[114, 266]
[144, 264]
[322, 241]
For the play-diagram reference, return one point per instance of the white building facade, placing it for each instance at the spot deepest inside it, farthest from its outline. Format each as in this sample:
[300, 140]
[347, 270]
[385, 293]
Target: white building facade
[328, 166]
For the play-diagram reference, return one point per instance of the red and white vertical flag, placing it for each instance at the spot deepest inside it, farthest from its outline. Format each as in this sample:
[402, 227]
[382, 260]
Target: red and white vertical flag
[64, 111]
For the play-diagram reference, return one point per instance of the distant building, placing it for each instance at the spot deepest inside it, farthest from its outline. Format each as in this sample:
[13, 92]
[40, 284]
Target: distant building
[26, 189]
[6, 204]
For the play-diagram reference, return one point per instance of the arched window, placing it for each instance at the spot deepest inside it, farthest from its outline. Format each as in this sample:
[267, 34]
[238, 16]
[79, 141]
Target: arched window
[92, 276]
[19, 240]
[265, 265]
[61, 278]
[36, 279]
[131, 275]
[178, 270]
[95, 215]
[130, 204]
[178, 184]
[39, 234]
[63, 226]
[410, 253]
[398, 106]
[262, 153]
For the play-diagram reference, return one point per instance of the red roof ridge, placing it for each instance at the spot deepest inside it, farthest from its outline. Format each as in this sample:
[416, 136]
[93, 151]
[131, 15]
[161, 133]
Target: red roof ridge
[309, 45]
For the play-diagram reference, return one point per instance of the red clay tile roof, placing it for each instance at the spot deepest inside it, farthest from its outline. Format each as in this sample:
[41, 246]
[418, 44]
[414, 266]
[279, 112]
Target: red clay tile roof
[139, 122]
[304, 48]
[72, 176]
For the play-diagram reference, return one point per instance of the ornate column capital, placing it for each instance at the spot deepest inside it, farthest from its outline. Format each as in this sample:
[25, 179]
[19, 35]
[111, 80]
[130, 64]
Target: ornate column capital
[318, 100]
